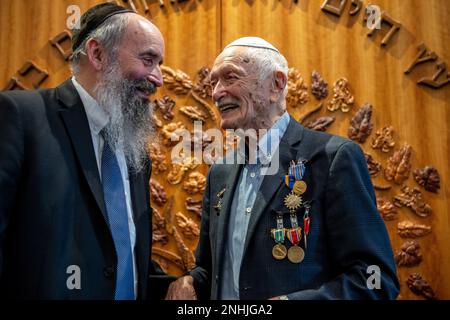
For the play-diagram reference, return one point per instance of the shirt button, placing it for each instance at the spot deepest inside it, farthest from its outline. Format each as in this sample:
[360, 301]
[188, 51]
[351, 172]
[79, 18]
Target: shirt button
[252, 174]
[248, 210]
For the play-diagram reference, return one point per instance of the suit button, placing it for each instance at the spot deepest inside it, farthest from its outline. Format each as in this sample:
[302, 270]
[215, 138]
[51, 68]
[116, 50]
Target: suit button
[247, 288]
[217, 278]
[108, 272]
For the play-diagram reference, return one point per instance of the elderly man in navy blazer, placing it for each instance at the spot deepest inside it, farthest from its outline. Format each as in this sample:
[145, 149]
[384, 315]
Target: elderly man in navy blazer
[75, 216]
[309, 229]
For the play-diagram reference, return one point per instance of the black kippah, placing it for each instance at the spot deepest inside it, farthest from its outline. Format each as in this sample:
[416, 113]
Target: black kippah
[92, 19]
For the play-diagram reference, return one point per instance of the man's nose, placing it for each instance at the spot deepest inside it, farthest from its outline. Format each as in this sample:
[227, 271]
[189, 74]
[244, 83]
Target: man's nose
[156, 77]
[218, 92]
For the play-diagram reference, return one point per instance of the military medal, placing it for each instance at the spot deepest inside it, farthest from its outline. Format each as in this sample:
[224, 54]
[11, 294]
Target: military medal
[289, 180]
[298, 171]
[295, 253]
[218, 206]
[292, 202]
[293, 180]
[299, 187]
[279, 251]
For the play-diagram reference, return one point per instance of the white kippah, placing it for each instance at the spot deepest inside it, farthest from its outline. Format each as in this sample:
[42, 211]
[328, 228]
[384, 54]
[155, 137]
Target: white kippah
[253, 42]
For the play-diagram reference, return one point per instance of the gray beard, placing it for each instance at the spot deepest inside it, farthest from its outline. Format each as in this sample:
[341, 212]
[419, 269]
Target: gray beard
[130, 124]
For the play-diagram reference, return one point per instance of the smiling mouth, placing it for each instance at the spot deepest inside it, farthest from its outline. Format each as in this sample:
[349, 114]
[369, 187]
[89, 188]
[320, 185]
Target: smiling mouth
[146, 89]
[227, 107]
[145, 92]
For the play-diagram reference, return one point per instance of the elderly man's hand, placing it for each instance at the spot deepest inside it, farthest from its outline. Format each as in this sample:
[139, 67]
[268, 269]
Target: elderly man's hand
[182, 289]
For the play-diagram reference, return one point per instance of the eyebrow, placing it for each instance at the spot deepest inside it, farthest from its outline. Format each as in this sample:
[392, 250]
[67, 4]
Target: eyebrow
[228, 68]
[232, 69]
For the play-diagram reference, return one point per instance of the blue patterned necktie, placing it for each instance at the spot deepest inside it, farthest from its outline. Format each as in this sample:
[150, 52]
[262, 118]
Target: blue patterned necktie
[118, 222]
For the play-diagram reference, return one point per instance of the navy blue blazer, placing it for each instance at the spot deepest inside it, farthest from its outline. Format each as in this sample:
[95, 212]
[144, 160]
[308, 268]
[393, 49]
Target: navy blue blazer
[52, 211]
[347, 233]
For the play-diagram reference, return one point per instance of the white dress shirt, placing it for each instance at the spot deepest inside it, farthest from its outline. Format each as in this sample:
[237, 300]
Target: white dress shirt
[98, 119]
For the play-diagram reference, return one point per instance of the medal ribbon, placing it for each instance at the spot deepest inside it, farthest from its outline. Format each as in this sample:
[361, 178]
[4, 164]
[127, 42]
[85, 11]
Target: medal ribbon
[306, 221]
[294, 234]
[299, 170]
[278, 233]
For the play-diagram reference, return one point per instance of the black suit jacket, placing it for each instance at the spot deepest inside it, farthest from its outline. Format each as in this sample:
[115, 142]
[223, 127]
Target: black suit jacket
[52, 211]
[347, 233]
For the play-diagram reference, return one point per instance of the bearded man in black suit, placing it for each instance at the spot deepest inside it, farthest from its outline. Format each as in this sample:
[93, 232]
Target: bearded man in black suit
[75, 215]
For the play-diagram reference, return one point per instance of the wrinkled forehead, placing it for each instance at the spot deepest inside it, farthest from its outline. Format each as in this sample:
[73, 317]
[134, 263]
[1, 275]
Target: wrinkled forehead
[234, 57]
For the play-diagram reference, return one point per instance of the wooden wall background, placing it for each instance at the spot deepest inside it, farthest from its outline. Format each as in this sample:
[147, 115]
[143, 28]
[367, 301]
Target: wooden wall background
[311, 39]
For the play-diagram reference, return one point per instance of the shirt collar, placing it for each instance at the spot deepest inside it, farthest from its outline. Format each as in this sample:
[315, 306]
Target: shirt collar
[97, 117]
[269, 143]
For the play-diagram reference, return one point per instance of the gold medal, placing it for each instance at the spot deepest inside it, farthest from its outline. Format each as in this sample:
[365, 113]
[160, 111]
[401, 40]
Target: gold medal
[296, 254]
[299, 187]
[279, 251]
[292, 201]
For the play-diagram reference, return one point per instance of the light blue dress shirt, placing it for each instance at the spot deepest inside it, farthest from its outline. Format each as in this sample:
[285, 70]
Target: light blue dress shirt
[241, 208]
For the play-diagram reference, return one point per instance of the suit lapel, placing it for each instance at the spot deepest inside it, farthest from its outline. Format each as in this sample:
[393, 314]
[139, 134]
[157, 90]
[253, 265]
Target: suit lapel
[139, 199]
[286, 152]
[77, 126]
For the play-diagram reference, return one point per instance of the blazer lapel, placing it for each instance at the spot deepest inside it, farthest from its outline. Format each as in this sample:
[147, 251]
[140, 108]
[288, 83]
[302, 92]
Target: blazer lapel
[139, 198]
[286, 152]
[77, 126]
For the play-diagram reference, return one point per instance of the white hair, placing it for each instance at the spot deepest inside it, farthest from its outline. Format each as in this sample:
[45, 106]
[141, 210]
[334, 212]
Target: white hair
[109, 35]
[268, 62]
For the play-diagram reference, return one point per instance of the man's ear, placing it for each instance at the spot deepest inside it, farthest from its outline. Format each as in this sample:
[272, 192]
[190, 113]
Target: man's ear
[279, 83]
[95, 54]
